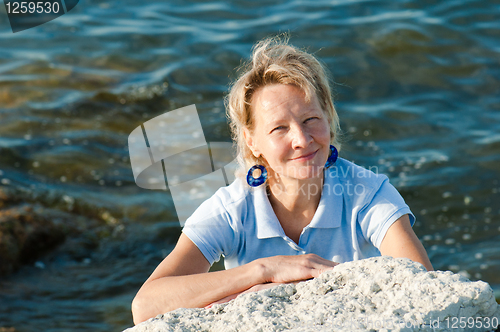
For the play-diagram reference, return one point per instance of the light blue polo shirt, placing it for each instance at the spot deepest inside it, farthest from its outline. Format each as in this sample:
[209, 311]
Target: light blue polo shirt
[356, 209]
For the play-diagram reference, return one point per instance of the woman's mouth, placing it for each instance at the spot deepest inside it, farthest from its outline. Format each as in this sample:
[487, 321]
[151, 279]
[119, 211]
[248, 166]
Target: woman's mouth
[306, 157]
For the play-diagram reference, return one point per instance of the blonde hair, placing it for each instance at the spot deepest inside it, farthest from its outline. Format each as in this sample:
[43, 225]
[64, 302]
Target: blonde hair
[274, 61]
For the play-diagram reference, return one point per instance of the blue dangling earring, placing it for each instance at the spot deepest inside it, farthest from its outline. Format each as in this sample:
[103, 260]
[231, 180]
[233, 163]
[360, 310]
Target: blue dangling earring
[255, 182]
[334, 154]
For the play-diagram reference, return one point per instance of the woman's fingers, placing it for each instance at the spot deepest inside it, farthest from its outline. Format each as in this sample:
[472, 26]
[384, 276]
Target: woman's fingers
[321, 265]
[316, 265]
[295, 268]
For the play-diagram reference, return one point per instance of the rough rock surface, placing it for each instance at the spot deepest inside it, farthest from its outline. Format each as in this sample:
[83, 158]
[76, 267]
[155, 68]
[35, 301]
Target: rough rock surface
[379, 294]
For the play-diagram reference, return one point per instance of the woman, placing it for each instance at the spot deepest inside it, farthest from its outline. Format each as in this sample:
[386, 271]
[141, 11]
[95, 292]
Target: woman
[299, 211]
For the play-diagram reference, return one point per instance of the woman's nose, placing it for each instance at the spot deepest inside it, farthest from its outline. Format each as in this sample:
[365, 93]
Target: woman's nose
[301, 138]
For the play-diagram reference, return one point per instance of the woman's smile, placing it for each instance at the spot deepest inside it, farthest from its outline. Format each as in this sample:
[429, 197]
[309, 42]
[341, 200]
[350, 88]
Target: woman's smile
[306, 157]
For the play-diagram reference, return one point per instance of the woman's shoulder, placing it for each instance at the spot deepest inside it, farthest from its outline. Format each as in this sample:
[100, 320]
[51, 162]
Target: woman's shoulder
[229, 198]
[225, 204]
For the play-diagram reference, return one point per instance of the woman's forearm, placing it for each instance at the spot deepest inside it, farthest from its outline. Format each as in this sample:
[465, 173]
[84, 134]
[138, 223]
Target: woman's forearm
[193, 291]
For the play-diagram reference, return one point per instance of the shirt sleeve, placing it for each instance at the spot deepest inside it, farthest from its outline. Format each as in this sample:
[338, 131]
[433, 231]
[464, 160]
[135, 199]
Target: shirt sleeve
[385, 207]
[210, 229]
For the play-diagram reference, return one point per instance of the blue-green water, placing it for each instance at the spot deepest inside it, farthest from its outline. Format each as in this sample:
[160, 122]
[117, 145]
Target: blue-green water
[418, 96]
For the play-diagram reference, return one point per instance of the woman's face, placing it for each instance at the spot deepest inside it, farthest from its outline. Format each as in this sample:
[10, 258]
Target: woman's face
[293, 136]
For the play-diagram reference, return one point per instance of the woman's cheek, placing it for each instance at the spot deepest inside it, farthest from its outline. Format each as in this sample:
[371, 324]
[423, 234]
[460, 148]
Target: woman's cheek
[276, 150]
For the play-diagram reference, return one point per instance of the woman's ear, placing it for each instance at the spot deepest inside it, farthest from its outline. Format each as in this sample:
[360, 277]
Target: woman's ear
[249, 139]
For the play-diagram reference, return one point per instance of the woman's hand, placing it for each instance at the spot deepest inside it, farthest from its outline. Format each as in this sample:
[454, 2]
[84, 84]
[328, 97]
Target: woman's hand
[285, 269]
[278, 270]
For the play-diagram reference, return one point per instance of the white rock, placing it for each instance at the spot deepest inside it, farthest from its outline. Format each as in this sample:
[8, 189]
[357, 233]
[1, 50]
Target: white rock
[380, 293]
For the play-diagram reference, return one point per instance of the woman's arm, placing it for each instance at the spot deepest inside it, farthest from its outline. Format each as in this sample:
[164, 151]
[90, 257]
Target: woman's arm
[401, 241]
[182, 280]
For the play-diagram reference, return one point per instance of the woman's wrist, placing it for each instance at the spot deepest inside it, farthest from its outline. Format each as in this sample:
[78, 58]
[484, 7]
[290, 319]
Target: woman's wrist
[259, 271]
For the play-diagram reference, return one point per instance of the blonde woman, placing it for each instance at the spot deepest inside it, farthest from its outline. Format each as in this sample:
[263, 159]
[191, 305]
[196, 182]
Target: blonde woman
[297, 209]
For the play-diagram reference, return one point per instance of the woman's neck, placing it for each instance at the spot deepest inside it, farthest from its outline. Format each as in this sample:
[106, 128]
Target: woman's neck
[295, 202]
[293, 195]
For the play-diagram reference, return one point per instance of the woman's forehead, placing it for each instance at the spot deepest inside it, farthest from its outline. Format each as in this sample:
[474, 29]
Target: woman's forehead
[279, 98]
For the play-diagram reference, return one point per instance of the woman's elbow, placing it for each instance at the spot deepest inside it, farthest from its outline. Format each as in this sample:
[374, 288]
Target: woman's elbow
[139, 312]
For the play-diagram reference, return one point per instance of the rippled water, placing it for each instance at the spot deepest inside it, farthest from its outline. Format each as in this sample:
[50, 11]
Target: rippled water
[418, 94]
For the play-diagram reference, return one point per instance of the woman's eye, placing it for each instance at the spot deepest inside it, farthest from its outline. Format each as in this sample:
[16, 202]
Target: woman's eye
[278, 128]
[311, 118]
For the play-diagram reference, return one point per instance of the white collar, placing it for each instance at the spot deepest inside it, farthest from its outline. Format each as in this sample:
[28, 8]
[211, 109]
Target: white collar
[268, 224]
